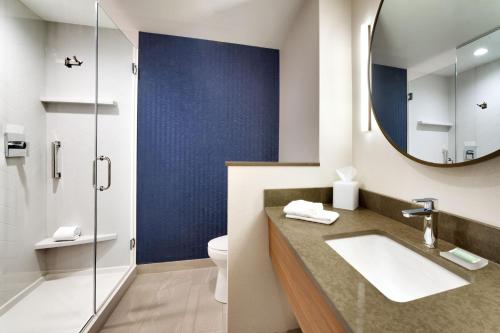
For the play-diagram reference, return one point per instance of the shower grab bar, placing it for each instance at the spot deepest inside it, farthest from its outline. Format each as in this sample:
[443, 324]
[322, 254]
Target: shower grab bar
[107, 159]
[56, 171]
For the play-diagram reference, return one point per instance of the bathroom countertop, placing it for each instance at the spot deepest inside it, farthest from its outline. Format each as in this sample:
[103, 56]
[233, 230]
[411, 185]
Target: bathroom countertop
[472, 308]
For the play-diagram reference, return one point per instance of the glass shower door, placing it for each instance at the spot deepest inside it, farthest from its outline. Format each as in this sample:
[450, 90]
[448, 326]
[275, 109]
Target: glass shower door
[114, 155]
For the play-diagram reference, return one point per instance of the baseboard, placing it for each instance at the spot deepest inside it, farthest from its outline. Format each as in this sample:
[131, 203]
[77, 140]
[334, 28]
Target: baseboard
[174, 266]
[95, 324]
[23, 293]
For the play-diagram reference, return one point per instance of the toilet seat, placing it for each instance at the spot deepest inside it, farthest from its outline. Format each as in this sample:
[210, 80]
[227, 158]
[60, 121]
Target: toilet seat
[218, 244]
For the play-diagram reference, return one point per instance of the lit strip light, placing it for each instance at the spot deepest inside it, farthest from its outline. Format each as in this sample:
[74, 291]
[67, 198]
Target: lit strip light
[365, 105]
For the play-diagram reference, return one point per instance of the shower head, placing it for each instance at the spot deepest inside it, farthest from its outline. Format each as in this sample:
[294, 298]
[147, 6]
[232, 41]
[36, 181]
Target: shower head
[70, 62]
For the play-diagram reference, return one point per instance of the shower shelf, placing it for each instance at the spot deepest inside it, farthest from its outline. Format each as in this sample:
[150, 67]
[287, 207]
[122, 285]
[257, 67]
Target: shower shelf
[49, 243]
[429, 123]
[89, 101]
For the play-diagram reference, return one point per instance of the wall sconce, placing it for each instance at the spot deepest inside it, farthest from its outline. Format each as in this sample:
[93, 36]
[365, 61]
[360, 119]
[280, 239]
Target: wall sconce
[365, 105]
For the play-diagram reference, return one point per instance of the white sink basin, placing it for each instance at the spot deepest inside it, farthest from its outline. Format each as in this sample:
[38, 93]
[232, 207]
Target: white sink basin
[399, 273]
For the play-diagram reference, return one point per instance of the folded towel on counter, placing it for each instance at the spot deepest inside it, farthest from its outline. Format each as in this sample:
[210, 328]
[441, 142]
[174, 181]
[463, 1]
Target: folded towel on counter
[323, 216]
[68, 233]
[303, 208]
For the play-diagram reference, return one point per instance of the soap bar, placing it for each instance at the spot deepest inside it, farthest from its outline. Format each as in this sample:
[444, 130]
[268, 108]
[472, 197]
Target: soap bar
[464, 255]
[345, 194]
[465, 258]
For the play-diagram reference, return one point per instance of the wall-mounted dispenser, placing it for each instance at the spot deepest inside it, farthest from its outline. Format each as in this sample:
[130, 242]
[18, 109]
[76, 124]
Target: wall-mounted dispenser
[15, 145]
[470, 150]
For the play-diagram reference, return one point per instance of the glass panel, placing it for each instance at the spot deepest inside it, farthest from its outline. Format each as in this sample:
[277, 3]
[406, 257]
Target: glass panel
[114, 155]
[46, 286]
[478, 101]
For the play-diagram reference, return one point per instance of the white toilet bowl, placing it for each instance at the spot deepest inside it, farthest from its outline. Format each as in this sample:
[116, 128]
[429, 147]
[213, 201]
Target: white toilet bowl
[217, 251]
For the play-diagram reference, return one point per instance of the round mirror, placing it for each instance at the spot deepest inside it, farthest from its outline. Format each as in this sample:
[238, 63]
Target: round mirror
[435, 79]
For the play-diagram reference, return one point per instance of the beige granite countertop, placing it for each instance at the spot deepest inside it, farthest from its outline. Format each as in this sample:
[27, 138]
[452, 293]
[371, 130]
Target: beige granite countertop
[472, 308]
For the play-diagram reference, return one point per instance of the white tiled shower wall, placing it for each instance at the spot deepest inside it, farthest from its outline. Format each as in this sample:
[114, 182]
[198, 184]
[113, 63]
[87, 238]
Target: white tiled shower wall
[22, 180]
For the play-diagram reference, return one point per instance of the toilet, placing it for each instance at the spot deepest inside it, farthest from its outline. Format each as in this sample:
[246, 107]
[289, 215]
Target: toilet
[217, 251]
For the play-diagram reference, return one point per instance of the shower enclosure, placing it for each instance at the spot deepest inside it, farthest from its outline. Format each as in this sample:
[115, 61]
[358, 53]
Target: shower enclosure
[67, 116]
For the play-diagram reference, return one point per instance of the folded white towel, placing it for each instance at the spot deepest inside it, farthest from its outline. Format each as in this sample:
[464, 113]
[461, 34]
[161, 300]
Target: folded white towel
[324, 216]
[303, 208]
[68, 233]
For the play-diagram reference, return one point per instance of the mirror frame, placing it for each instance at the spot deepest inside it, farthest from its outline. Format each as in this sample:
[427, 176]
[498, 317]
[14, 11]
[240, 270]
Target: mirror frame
[386, 135]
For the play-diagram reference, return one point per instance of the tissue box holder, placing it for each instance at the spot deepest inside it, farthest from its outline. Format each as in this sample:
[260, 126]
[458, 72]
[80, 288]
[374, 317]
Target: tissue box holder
[345, 195]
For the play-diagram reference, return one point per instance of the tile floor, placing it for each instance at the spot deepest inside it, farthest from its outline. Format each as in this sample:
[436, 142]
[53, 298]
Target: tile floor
[174, 302]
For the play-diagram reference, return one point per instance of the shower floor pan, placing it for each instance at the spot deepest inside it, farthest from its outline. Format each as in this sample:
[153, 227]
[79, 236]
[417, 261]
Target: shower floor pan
[61, 303]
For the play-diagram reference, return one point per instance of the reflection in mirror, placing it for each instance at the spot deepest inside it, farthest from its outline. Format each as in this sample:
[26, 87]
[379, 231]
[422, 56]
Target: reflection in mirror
[478, 98]
[435, 68]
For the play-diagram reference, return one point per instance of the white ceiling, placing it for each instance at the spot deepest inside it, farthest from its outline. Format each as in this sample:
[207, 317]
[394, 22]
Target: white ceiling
[409, 32]
[444, 63]
[465, 54]
[251, 22]
[68, 11]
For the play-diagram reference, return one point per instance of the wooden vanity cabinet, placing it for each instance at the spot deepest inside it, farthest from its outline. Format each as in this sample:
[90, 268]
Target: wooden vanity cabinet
[312, 310]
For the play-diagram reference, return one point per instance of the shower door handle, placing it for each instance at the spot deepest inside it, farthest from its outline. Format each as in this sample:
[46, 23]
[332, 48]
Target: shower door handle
[107, 159]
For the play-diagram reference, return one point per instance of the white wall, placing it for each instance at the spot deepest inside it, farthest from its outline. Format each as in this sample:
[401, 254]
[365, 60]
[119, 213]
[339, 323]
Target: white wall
[299, 88]
[431, 103]
[256, 302]
[22, 180]
[476, 86]
[468, 191]
[70, 200]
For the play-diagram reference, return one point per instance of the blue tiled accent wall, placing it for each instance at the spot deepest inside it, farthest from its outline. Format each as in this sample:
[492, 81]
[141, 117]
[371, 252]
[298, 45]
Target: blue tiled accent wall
[389, 93]
[200, 103]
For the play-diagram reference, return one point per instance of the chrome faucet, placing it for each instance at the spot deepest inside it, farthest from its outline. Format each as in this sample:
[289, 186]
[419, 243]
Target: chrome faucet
[426, 212]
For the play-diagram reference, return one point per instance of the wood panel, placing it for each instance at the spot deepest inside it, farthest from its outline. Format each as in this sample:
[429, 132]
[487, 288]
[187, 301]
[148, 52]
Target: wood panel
[312, 310]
